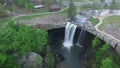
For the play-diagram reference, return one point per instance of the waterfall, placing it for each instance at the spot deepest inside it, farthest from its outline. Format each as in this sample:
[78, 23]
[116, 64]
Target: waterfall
[81, 38]
[69, 34]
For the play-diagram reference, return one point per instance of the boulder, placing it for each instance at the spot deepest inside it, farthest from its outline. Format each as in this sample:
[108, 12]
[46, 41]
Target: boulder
[31, 60]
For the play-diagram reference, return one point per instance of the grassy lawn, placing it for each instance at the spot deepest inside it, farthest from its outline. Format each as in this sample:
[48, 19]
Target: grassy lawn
[41, 10]
[111, 20]
[38, 15]
[93, 21]
[28, 17]
[3, 21]
[64, 12]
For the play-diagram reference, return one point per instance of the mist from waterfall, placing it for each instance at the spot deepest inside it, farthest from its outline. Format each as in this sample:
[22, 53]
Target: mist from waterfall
[69, 35]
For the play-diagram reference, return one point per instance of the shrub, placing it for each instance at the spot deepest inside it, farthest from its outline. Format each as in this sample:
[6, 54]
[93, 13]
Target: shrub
[105, 47]
[94, 21]
[29, 6]
[71, 10]
[50, 60]
[107, 63]
[20, 39]
[3, 59]
[95, 42]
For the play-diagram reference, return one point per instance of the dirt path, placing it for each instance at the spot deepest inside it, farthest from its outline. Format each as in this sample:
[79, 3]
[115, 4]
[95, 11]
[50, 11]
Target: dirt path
[97, 28]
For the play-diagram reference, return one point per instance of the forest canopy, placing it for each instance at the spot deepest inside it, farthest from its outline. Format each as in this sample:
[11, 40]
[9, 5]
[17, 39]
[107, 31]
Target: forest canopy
[19, 39]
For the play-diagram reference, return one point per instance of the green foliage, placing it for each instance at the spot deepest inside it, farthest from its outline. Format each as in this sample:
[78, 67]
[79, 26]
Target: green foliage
[61, 1]
[20, 39]
[105, 47]
[2, 1]
[103, 57]
[47, 3]
[10, 9]
[116, 59]
[115, 5]
[90, 6]
[29, 6]
[101, 53]
[2, 12]
[1, 6]
[95, 42]
[3, 59]
[107, 63]
[50, 60]
[71, 10]
[11, 62]
[102, 1]
[21, 2]
[94, 21]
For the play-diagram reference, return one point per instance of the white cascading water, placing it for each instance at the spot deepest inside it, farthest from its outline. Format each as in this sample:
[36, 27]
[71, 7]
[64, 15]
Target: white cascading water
[79, 39]
[69, 35]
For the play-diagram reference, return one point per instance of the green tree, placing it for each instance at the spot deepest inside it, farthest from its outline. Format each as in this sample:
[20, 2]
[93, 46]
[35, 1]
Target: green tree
[2, 12]
[95, 42]
[61, 2]
[71, 10]
[47, 3]
[105, 47]
[114, 6]
[107, 63]
[2, 1]
[50, 60]
[113, 1]
[3, 59]
[29, 6]
[102, 1]
[21, 2]
[10, 8]
[20, 39]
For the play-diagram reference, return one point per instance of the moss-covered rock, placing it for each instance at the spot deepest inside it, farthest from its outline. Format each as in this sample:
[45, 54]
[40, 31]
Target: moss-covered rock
[49, 59]
[32, 60]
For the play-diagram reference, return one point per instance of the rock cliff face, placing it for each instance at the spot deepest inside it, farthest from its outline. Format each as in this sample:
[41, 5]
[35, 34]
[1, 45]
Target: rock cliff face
[112, 42]
[49, 26]
[47, 22]
[58, 21]
[115, 44]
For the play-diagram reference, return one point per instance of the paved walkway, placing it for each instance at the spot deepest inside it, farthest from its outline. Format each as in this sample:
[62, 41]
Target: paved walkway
[97, 28]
